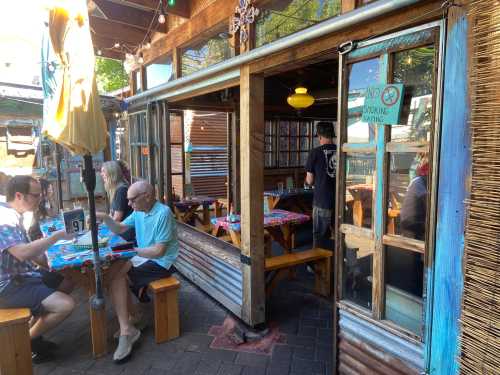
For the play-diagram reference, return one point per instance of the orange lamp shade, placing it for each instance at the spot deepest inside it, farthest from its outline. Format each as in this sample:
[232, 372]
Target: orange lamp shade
[301, 99]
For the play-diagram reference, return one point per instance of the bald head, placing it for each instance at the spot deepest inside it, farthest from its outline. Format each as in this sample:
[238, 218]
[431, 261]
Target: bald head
[141, 196]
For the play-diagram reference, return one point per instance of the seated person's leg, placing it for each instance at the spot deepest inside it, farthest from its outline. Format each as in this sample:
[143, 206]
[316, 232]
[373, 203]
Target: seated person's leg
[48, 307]
[141, 276]
[57, 281]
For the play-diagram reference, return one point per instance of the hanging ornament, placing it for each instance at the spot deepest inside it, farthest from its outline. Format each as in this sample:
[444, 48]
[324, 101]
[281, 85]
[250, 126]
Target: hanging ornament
[244, 15]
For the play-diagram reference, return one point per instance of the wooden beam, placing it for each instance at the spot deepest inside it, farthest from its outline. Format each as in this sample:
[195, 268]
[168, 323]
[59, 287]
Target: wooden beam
[181, 7]
[106, 47]
[117, 31]
[129, 16]
[327, 44]
[217, 12]
[252, 191]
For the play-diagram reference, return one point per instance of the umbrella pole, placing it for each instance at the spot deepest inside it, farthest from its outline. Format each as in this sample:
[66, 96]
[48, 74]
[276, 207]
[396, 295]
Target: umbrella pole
[88, 176]
[57, 157]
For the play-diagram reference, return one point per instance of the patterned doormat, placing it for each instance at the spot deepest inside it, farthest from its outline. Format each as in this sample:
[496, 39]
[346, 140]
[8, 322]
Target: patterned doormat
[228, 337]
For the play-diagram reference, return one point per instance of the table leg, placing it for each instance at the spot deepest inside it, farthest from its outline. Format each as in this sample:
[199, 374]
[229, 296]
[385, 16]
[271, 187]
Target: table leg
[235, 238]
[287, 238]
[97, 322]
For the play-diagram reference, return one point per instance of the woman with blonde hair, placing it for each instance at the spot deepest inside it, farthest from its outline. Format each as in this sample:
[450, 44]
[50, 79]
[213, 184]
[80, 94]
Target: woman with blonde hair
[116, 187]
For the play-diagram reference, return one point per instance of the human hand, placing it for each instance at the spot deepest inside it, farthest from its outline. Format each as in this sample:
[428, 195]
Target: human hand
[62, 235]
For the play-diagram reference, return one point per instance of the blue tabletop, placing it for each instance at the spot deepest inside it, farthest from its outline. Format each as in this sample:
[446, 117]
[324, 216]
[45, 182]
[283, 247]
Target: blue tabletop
[66, 255]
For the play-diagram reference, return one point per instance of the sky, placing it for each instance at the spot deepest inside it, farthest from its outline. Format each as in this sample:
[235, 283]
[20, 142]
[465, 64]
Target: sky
[21, 27]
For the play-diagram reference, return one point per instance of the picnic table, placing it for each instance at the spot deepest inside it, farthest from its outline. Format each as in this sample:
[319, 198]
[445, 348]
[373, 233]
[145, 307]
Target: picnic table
[186, 210]
[77, 263]
[279, 223]
[295, 199]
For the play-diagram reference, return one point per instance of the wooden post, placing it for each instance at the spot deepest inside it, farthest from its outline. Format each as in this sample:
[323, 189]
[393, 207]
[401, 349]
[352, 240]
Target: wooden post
[252, 192]
[348, 5]
[176, 63]
[97, 322]
[167, 154]
[235, 162]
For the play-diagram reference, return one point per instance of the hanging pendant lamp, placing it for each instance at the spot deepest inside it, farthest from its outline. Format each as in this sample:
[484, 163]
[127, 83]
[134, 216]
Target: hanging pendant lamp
[300, 99]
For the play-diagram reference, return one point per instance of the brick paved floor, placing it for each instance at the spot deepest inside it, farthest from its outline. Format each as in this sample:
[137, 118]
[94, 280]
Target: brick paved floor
[304, 318]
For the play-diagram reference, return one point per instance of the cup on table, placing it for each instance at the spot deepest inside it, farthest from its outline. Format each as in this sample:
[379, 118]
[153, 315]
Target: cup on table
[281, 187]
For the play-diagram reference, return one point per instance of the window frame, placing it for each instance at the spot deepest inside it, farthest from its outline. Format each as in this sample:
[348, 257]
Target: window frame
[377, 232]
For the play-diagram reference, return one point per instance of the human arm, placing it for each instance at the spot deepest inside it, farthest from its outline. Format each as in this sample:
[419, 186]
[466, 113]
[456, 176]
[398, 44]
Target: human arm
[115, 226]
[163, 233]
[309, 178]
[309, 167]
[118, 216]
[33, 250]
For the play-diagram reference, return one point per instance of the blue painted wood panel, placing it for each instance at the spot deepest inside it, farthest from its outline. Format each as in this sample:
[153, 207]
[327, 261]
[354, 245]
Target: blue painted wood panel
[454, 169]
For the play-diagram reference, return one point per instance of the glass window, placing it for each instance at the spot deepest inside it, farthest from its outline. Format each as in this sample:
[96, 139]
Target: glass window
[404, 288]
[207, 52]
[139, 150]
[291, 148]
[407, 198]
[280, 18]
[360, 170]
[415, 69]
[158, 72]
[138, 81]
[357, 272]
[361, 75]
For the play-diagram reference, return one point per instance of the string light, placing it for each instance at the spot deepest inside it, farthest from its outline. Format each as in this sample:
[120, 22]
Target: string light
[161, 18]
[140, 59]
[116, 45]
[99, 52]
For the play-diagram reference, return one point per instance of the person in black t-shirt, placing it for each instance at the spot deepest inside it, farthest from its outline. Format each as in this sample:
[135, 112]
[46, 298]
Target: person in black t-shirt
[116, 187]
[321, 172]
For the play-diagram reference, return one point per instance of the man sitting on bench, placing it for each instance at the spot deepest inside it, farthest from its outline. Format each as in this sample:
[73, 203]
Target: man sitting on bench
[156, 235]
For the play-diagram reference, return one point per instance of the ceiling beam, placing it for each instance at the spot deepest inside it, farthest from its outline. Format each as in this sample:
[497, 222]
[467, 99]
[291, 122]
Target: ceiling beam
[181, 7]
[117, 31]
[130, 16]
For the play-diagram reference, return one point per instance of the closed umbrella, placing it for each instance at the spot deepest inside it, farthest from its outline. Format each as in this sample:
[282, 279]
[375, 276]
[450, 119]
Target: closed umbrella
[72, 112]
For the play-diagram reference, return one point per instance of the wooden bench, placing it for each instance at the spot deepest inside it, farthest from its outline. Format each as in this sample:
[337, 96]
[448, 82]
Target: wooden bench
[322, 268]
[166, 308]
[15, 355]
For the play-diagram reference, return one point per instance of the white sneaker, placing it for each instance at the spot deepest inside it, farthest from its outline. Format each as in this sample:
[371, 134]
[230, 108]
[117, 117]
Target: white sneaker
[125, 344]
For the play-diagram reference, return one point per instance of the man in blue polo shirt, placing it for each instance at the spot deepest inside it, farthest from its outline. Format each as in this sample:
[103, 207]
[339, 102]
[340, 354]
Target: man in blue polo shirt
[156, 235]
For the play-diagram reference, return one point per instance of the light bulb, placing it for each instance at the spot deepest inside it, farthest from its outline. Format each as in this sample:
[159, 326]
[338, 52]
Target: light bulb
[147, 45]
[128, 56]
[161, 18]
[99, 52]
[117, 45]
[140, 59]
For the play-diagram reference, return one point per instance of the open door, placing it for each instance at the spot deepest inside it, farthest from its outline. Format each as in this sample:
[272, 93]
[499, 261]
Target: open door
[387, 177]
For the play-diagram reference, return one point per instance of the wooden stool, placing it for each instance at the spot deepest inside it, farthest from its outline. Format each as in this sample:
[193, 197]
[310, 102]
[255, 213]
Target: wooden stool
[166, 308]
[15, 356]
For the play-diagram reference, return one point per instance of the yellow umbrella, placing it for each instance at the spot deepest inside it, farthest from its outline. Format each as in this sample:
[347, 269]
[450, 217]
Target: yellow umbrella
[72, 113]
[74, 117]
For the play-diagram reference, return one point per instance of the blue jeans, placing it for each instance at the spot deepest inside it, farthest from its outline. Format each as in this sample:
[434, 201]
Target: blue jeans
[322, 222]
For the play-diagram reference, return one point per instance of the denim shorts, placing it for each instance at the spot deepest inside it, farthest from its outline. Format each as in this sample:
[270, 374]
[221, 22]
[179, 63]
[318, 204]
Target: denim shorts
[26, 292]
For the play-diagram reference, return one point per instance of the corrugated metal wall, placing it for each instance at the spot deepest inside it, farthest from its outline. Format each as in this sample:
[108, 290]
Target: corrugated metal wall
[209, 154]
[212, 265]
[365, 348]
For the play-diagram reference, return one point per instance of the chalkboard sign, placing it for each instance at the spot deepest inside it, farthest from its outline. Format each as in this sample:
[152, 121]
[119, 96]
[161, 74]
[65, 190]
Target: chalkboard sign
[76, 188]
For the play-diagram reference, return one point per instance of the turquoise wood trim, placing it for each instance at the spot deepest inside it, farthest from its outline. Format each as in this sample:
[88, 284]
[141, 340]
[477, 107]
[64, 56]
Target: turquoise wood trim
[447, 277]
[359, 147]
[390, 44]
[379, 188]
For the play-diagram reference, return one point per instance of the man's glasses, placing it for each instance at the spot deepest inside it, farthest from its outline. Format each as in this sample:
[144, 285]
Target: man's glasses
[132, 199]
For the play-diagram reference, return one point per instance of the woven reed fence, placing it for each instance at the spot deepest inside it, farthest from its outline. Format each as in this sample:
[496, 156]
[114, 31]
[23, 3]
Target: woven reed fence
[481, 301]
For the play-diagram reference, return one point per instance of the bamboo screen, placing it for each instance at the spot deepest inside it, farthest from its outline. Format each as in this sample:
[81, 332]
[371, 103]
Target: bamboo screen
[481, 299]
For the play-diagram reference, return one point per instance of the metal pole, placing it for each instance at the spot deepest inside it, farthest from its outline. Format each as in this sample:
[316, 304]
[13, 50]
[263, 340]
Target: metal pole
[57, 157]
[88, 177]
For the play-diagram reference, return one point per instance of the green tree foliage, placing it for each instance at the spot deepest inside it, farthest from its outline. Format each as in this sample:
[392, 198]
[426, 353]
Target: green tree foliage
[110, 75]
[284, 17]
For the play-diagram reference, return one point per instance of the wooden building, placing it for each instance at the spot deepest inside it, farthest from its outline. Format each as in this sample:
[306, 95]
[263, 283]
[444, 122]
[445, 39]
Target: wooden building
[398, 289]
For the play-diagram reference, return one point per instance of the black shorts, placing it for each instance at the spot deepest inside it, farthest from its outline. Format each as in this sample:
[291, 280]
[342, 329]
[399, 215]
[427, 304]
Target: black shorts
[141, 276]
[26, 292]
[51, 279]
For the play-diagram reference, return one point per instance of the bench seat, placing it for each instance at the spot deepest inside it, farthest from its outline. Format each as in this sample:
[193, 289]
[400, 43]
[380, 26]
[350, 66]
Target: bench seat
[317, 256]
[15, 356]
[166, 306]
